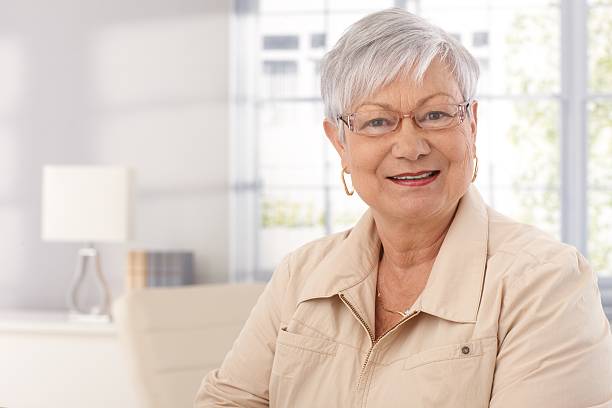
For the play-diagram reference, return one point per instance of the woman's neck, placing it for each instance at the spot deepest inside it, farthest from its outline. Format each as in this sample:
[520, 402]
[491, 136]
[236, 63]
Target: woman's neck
[408, 244]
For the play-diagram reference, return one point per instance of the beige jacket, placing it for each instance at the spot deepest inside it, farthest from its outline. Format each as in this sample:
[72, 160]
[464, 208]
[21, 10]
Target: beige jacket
[509, 318]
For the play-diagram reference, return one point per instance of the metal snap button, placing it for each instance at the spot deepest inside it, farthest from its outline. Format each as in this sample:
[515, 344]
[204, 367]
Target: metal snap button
[465, 350]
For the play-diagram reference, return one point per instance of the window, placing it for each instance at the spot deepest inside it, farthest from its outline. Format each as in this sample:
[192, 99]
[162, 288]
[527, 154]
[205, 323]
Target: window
[529, 142]
[317, 40]
[279, 68]
[280, 42]
[279, 78]
[599, 135]
[457, 36]
[480, 39]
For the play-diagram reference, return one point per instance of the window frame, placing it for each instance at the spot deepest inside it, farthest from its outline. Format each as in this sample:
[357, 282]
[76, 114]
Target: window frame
[573, 98]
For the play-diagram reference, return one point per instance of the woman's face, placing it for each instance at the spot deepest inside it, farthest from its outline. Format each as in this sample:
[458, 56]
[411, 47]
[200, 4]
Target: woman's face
[377, 163]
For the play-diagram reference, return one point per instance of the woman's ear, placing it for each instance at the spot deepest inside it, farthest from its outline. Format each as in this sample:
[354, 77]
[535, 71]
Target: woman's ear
[473, 120]
[333, 134]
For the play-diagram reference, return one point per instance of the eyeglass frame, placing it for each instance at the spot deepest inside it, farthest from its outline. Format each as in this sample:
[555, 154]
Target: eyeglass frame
[461, 107]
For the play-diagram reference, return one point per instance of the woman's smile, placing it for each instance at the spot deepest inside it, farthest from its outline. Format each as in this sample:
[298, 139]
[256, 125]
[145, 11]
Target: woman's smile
[418, 179]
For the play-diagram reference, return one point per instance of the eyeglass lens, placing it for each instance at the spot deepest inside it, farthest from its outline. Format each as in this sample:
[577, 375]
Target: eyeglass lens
[383, 121]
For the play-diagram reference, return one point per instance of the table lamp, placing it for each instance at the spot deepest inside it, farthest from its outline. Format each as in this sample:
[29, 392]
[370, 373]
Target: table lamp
[87, 204]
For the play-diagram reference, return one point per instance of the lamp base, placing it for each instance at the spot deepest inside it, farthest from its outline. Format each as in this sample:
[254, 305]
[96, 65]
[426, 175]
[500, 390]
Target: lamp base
[100, 311]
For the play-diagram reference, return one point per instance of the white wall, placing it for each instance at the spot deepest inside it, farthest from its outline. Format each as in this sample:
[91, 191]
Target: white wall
[141, 82]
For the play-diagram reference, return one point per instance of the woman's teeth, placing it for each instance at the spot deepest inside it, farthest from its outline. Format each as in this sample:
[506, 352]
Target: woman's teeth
[417, 177]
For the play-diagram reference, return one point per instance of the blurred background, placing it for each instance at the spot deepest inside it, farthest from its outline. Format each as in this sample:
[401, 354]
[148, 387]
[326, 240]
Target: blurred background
[216, 107]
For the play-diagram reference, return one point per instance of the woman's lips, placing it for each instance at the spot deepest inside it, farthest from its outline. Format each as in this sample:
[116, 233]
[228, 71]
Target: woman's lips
[421, 178]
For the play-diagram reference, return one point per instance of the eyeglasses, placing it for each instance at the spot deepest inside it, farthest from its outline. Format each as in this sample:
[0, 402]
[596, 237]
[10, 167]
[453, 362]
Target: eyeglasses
[427, 117]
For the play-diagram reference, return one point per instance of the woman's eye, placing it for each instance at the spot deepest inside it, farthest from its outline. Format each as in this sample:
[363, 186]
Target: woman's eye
[436, 115]
[376, 122]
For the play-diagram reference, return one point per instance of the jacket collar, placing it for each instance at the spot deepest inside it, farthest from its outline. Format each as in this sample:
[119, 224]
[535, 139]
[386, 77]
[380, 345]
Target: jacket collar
[348, 263]
[454, 286]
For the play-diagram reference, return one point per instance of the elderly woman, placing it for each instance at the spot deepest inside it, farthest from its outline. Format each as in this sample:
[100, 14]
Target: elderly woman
[433, 299]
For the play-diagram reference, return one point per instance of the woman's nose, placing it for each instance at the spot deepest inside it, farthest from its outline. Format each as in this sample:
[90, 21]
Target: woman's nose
[409, 141]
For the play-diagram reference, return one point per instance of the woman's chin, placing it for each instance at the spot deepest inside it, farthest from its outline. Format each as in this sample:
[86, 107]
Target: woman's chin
[416, 215]
[412, 212]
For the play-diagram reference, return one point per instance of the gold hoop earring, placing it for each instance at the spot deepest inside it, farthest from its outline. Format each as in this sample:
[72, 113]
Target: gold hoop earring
[346, 190]
[475, 169]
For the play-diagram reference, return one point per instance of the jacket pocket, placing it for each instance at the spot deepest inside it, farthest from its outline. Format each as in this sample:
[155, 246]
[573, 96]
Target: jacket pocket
[455, 376]
[297, 354]
[301, 364]
[313, 344]
[466, 350]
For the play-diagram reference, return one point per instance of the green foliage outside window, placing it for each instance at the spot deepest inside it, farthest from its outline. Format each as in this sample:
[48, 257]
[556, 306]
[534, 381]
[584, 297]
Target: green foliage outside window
[535, 134]
[290, 214]
[600, 140]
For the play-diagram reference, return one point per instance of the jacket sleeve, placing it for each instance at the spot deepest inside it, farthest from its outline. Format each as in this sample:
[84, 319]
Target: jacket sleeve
[555, 343]
[243, 378]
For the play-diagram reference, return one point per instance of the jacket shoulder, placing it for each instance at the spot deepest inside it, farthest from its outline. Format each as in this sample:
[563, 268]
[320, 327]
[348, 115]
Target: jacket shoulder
[521, 252]
[512, 239]
[309, 255]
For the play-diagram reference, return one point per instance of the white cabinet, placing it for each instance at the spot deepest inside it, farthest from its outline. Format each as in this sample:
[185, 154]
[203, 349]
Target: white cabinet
[46, 360]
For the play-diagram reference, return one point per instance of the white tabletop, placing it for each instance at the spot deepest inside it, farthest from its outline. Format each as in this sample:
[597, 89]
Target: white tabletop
[52, 321]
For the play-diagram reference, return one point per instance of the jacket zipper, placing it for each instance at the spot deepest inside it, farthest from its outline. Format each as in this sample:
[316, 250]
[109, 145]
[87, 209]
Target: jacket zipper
[367, 328]
[372, 338]
[361, 320]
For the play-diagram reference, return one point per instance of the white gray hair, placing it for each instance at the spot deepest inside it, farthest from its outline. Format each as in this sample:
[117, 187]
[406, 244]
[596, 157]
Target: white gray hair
[377, 49]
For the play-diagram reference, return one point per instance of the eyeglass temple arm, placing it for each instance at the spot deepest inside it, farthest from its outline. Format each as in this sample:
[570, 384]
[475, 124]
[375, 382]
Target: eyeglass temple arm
[466, 106]
[341, 118]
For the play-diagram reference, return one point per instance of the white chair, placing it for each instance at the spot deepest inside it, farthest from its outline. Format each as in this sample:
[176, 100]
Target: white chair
[174, 336]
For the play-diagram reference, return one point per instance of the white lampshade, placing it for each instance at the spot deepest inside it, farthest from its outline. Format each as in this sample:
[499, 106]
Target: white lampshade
[86, 203]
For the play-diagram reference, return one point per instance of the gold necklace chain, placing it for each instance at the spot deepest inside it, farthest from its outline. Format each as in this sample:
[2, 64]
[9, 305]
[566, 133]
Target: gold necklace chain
[403, 314]
[379, 295]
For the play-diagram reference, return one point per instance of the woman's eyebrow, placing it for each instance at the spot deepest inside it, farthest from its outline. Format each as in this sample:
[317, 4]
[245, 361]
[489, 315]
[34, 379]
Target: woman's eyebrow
[425, 99]
[381, 104]
[419, 102]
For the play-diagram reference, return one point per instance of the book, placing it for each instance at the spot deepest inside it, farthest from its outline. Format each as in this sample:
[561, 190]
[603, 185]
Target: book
[159, 268]
[136, 270]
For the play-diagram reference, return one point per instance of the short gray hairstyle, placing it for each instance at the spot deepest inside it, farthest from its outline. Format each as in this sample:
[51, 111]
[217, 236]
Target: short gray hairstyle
[377, 49]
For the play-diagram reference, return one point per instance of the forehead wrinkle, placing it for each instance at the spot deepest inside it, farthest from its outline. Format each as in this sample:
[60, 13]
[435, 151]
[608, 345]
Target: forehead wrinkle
[417, 104]
[410, 90]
